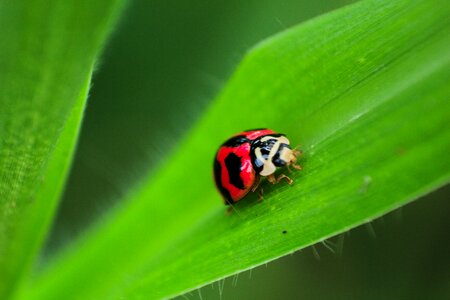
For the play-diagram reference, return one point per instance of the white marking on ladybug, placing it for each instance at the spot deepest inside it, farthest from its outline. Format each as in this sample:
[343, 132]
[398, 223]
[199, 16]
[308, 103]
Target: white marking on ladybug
[285, 154]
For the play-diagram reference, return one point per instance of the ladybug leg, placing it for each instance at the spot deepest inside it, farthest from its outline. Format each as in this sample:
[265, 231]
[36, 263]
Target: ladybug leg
[283, 176]
[288, 167]
[297, 167]
[259, 188]
[260, 195]
[230, 210]
[271, 179]
[258, 181]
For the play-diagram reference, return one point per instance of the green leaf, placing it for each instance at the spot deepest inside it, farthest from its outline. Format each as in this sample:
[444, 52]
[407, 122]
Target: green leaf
[363, 89]
[47, 53]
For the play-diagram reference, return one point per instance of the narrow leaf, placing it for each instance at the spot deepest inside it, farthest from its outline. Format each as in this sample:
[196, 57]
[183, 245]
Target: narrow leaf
[47, 53]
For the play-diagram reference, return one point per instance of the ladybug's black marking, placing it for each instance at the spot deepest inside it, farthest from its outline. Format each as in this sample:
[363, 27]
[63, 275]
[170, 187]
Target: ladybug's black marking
[256, 129]
[218, 179]
[276, 158]
[236, 141]
[257, 164]
[233, 164]
[265, 148]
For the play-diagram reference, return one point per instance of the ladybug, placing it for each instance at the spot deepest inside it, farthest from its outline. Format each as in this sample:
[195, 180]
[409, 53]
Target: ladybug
[245, 158]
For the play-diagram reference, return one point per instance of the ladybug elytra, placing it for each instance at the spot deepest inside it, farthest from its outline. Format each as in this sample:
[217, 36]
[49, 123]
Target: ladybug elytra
[245, 158]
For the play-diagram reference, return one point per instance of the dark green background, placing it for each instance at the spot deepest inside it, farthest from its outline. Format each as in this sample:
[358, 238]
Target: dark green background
[164, 64]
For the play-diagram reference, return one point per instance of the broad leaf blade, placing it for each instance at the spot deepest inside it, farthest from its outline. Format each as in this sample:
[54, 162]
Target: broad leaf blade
[362, 89]
[47, 52]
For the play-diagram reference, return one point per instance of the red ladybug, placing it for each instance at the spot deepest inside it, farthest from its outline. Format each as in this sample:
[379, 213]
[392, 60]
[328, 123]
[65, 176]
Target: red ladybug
[246, 157]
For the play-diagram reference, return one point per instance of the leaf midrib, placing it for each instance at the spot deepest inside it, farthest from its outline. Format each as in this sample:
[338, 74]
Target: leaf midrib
[430, 68]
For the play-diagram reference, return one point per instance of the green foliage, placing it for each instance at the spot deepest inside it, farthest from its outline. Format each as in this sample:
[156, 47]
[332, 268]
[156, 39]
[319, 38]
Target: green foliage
[364, 90]
[47, 53]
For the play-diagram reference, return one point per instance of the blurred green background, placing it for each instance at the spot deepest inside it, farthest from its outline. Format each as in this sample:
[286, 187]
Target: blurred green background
[166, 61]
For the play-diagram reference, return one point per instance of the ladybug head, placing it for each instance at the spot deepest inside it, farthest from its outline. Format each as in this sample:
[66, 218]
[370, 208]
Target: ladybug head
[271, 151]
